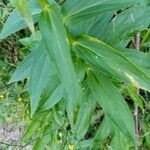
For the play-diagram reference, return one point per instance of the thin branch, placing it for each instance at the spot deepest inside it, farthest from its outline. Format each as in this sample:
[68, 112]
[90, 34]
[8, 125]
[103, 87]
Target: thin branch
[137, 46]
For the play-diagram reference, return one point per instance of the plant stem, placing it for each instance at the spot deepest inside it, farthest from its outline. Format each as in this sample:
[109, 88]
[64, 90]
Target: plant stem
[136, 126]
[145, 37]
[137, 46]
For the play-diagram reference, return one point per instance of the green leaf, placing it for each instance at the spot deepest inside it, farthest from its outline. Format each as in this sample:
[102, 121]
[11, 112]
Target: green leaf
[41, 143]
[98, 64]
[80, 70]
[103, 130]
[55, 40]
[54, 98]
[59, 113]
[24, 10]
[41, 70]
[23, 70]
[84, 116]
[116, 60]
[138, 57]
[82, 27]
[119, 141]
[112, 103]
[16, 22]
[122, 25]
[85, 144]
[133, 93]
[77, 11]
[31, 41]
[52, 85]
[34, 126]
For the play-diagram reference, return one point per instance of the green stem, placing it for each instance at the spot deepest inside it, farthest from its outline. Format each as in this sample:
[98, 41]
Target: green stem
[145, 37]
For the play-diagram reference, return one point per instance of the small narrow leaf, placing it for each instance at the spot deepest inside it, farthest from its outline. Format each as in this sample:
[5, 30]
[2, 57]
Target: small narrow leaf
[16, 22]
[103, 130]
[133, 93]
[80, 70]
[112, 103]
[119, 141]
[23, 70]
[54, 98]
[23, 8]
[42, 69]
[84, 116]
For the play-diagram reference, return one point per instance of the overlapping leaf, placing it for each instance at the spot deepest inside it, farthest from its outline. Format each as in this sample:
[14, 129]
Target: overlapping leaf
[116, 60]
[112, 103]
[16, 22]
[122, 25]
[55, 40]
[23, 70]
[54, 98]
[103, 130]
[41, 70]
[84, 115]
[77, 11]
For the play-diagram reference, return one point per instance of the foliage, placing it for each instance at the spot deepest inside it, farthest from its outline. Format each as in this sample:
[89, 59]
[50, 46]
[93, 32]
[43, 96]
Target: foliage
[13, 97]
[80, 68]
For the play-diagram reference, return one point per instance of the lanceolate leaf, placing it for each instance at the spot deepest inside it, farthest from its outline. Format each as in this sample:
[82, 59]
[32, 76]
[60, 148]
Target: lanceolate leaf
[119, 141]
[138, 57]
[82, 27]
[112, 103]
[52, 85]
[132, 92]
[122, 25]
[24, 9]
[84, 116]
[97, 64]
[103, 130]
[55, 40]
[42, 69]
[116, 60]
[54, 98]
[23, 70]
[16, 22]
[77, 11]
[80, 70]
[34, 126]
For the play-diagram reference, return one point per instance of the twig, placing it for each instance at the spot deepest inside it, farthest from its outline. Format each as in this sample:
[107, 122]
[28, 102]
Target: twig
[136, 126]
[137, 46]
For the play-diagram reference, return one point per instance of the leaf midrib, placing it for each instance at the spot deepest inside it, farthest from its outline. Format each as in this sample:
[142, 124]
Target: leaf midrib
[92, 39]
